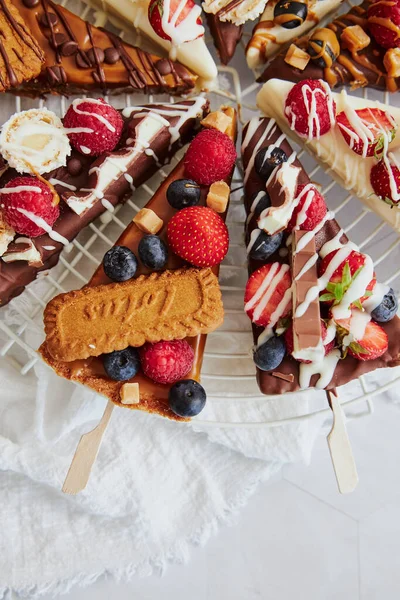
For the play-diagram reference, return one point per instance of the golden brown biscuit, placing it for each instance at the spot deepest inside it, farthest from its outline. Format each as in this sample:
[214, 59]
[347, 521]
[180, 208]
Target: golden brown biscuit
[162, 306]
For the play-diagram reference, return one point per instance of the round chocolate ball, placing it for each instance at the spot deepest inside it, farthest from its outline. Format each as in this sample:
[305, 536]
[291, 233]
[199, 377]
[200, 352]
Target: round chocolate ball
[111, 56]
[59, 39]
[30, 3]
[74, 166]
[69, 48]
[290, 14]
[48, 20]
[323, 47]
[95, 55]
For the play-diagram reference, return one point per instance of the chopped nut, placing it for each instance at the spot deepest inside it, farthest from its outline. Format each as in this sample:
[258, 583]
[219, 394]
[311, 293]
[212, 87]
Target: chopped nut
[129, 393]
[296, 57]
[217, 120]
[354, 38]
[147, 221]
[218, 196]
[391, 61]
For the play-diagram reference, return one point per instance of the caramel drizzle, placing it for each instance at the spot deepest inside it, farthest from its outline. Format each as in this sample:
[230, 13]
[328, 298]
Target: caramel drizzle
[357, 17]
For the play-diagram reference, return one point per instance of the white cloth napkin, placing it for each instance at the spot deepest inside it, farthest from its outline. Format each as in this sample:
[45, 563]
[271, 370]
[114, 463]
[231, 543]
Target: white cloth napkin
[157, 486]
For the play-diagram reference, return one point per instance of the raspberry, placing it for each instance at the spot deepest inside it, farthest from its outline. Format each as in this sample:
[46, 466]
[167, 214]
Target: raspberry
[38, 202]
[310, 108]
[104, 122]
[166, 362]
[199, 235]
[210, 157]
[381, 18]
[316, 211]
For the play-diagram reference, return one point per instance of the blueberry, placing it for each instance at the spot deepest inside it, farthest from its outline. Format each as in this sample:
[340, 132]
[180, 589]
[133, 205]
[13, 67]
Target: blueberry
[182, 193]
[187, 398]
[265, 245]
[153, 252]
[386, 309]
[270, 354]
[122, 364]
[263, 202]
[120, 263]
[267, 160]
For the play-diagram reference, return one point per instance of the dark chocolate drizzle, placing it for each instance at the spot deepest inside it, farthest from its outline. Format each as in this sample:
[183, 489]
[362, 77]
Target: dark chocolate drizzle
[348, 368]
[140, 68]
[15, 276]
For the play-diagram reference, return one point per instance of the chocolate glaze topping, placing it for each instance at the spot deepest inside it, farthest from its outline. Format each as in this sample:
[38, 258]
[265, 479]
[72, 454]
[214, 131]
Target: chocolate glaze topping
[226, 36]
[79, 56]
[354, 69]
[347, 369]
[15, 276]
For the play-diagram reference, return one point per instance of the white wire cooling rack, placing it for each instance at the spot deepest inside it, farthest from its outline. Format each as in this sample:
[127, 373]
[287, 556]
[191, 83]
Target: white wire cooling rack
[228, 370]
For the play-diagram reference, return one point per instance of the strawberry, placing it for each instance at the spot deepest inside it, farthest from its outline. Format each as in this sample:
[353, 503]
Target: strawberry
[315, 212]
[383, 20]
[310, 108]
[374, 124]
[386, 184]
[267, 294]
[288, 335]
[343, 277]
[366, 340]
[156, 13]
[199, 235]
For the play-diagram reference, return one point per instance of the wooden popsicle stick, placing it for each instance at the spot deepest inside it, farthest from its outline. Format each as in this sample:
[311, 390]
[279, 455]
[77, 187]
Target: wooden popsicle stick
[85, 455]
[340, 449]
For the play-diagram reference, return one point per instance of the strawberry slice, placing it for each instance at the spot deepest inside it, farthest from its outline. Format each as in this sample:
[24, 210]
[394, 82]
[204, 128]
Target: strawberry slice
[290, 344]
[366, 134]
[385, 183]
[192, 30]
[310, 210]
[267, 296]
[363, 339]
[343, 277]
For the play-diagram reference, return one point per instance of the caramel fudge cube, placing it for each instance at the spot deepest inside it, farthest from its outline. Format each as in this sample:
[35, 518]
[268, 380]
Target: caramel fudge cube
[354, 38]
[217, 120]
[218, 196]
[130, 393]
[147, 221]
[391, 62]
[296, 57]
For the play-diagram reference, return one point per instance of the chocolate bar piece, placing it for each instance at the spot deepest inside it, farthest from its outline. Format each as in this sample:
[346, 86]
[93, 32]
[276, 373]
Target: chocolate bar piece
[90, 372]
[360, 66]
[21, 58]
[307, 326]
[262, 133]
[82, 171]
[80, 57]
